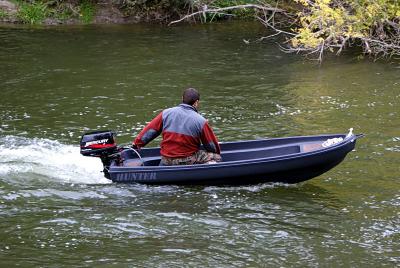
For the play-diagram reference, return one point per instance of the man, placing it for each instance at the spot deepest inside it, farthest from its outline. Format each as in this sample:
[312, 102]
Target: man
[183, 130]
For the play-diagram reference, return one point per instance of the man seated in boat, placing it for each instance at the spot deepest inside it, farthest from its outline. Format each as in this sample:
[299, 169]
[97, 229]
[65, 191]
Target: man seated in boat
[183, 130]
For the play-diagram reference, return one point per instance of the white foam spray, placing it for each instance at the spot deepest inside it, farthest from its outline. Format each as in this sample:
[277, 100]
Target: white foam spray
[47, 159]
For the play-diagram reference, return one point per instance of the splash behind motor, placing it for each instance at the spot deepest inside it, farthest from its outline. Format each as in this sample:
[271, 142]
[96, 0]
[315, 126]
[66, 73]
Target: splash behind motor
[100, 144]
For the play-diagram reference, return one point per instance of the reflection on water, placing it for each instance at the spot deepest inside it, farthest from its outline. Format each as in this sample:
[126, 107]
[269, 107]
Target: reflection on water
[56, 207]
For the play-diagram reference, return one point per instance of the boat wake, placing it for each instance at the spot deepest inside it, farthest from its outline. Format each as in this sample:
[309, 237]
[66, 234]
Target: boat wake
[26, 159]
[250, 188]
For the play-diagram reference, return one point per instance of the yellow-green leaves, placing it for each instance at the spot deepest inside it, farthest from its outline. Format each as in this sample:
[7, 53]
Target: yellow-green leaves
[330, 22]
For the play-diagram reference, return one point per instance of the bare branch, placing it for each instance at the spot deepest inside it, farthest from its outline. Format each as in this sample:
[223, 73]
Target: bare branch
[382, 43]
[382, 40]
[267, 37]
[321, 51]
[273, 27]
[342, 45]
[205, 10]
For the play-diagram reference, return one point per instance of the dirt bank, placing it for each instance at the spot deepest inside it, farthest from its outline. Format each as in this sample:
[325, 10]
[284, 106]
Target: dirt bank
[81, 12]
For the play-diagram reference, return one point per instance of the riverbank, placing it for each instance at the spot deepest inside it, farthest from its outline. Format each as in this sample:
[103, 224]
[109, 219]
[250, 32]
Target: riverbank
[84, 12]
[75, 12]
[315, 29]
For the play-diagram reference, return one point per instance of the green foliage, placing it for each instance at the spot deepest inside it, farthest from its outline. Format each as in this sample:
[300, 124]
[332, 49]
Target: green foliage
[60, 10]
[32, 13]
[62, 14]
[3, 14]
[239, 13]
[146, 6]
[370, 12]
[87, 11]
[333, 23]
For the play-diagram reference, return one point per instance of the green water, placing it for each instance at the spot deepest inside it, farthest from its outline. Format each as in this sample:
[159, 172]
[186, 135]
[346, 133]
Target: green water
[56, 209]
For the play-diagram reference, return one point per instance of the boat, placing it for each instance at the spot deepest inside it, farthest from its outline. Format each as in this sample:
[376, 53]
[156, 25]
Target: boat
[285, 160]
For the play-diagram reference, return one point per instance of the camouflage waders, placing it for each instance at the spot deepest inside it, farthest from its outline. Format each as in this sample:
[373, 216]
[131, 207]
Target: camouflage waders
[200, 157]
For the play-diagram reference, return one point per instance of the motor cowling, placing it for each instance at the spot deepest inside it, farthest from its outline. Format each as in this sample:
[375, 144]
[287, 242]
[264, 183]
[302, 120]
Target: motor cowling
[98, 143]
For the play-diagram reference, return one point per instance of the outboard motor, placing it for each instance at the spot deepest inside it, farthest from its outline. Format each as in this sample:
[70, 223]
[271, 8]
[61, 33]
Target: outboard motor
[101, 144]
[98, 143]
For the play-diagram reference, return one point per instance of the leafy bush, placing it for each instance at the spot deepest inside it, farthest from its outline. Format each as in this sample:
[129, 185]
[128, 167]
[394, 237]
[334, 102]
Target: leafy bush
[320, 25]
[33, 13]
[165, 8]
[87, 11]
[3, 14]
[241, 13]
[334, 24]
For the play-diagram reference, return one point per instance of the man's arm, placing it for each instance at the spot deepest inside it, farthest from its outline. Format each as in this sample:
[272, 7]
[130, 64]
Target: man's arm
[150, 132]
[209, 140]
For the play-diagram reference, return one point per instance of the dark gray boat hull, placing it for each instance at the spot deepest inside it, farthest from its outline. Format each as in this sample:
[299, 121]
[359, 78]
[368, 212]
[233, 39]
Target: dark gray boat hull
[283, 160]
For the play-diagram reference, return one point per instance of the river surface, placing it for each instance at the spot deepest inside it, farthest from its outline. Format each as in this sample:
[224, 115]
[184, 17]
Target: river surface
[56, 209]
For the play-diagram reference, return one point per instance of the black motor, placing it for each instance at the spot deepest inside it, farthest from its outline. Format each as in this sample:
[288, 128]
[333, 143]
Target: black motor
[98, 143]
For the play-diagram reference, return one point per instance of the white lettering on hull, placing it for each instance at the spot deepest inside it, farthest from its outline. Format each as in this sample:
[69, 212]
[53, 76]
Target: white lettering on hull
[136, 176]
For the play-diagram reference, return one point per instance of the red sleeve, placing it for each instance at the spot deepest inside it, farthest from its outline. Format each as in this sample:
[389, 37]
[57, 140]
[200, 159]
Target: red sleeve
[209, 140]
[150, 132]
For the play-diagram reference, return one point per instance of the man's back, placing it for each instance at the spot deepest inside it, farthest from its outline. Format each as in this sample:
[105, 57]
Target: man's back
[182, 128]
[183, 131]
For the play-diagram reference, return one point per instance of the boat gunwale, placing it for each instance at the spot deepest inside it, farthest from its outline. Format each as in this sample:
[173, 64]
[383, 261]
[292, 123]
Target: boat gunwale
[271, 159]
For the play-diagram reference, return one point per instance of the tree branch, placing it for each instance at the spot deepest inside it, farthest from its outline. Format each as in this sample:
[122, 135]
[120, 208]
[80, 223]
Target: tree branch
[222, 9]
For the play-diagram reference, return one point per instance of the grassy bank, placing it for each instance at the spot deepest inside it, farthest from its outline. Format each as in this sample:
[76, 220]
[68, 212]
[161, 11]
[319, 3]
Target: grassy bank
[48, 12]
[111, 11]
[89, 11]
